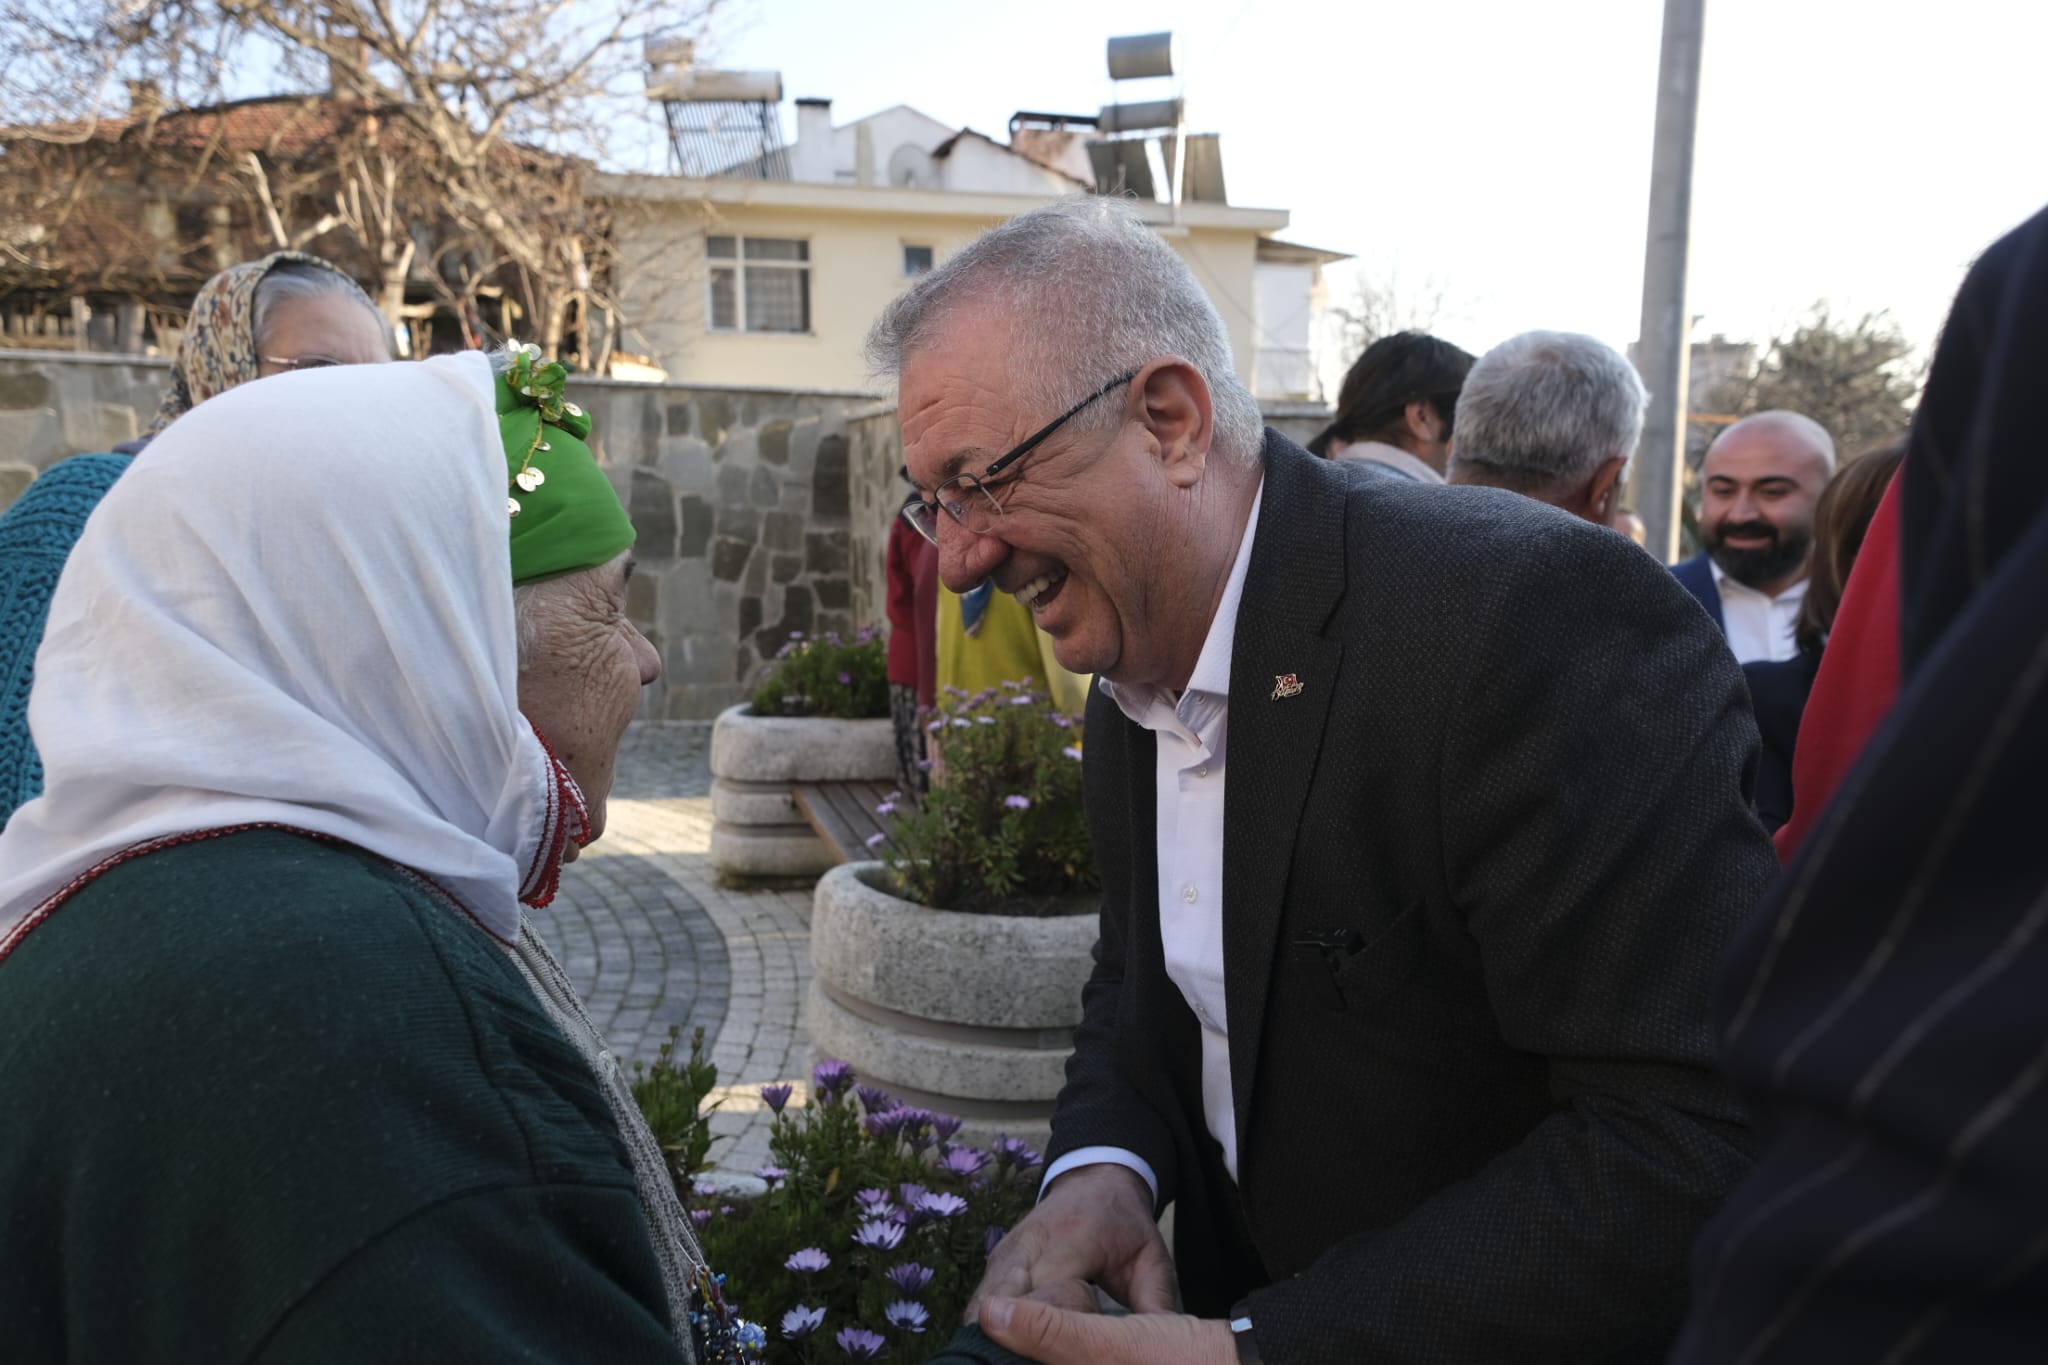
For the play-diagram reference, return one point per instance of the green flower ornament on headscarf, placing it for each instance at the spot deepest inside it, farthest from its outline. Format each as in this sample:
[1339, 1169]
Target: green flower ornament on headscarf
[565, 515]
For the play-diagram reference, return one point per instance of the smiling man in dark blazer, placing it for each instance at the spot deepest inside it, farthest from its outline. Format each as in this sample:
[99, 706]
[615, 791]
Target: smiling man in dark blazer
[1408, 1017]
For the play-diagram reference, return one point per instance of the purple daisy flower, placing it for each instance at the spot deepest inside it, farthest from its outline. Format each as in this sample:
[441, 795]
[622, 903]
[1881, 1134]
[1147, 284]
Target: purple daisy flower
[846, 679]
[1016, 1152]
[774, 1175]
[963, 1160]
[909, 1194]
[1065, 723]
[701, 1217]
[875, 840]
[875, 1100]
[878, 1235]
[809, 1261]
[861, 1344]
[776, 1096]
[941, 1205]
[1071, 752]
[910, 1278]
[1017, 802]
[704, 1189]
[799, 1322]
[906, 1316]
[945, 1125]
[871, 1200]
[882, 1125]
[831, 1077]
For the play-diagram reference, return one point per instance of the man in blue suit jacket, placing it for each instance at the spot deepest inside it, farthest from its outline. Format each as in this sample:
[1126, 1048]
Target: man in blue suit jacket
[1758, 487]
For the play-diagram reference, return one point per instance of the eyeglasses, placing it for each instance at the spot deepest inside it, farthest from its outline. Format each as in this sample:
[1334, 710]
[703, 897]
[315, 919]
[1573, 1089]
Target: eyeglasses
[967, 498]
[304, 362]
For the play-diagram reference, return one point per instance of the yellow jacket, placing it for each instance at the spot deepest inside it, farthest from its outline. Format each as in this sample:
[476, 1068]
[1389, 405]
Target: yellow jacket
[1008, 648]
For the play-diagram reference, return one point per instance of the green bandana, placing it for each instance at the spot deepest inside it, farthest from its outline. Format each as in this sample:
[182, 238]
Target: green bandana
[565, 516]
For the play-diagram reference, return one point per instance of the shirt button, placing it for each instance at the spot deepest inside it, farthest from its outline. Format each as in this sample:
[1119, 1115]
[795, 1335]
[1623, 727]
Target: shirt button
[1202, 771]
[1187, 893]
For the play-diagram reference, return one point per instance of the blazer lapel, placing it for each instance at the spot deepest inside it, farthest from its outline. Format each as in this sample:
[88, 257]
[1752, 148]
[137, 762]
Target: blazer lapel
[1283, 673]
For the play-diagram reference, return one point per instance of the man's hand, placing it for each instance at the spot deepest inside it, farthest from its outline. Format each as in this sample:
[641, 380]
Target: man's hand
[1093, 1226]
[1056, 1336]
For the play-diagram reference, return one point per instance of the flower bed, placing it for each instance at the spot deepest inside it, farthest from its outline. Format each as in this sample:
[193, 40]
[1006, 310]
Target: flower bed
[875, 1228]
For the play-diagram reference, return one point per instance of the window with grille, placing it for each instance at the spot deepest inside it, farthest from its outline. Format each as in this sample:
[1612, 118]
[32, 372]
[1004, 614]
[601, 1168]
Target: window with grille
[759, 284]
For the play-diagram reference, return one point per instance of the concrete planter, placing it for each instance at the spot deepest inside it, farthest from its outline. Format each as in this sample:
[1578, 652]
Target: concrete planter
[756, 829]
[971, 1015]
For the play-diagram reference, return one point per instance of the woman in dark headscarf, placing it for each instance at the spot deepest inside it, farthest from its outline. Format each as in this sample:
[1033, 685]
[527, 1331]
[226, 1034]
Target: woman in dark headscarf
[287, 311]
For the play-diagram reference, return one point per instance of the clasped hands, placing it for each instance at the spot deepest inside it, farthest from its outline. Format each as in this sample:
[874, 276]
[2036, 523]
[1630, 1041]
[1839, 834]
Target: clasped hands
[1094, 1226]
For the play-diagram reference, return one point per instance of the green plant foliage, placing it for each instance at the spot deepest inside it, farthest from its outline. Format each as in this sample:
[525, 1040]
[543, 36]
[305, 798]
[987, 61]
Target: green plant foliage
[671, 1097]
[875, 1221]
[827, 676]
[1001, 830]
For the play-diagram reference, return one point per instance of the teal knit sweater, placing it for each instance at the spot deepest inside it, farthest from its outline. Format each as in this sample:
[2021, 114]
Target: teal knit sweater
[36, 536]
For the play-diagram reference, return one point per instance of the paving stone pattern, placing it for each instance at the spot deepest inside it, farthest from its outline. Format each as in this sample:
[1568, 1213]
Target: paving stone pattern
[650, 938]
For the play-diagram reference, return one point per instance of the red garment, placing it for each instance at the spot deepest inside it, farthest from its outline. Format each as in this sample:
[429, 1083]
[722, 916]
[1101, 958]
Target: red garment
[898, 566]
[1858, 678]
[925, 573]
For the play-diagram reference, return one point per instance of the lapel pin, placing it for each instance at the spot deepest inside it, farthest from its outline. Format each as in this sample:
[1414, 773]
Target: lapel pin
[1286, 685]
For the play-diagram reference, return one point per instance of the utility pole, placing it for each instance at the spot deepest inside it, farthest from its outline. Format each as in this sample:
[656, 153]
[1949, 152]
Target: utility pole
[1663, 339]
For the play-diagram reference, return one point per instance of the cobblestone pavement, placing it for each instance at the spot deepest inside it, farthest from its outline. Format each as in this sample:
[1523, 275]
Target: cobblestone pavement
[650, 939]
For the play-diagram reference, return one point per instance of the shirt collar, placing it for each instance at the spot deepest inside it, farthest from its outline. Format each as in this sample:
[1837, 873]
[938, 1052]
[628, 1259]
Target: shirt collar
[1211, 679]
[1393, 457]
[1725, 585]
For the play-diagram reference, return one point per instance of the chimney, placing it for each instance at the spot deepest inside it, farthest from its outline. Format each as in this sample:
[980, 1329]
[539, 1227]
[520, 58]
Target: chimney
[145, 100]
[811, 158]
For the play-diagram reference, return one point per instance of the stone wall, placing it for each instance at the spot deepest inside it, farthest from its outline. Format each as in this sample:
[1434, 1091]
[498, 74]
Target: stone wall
[760, 511]
[740, 496]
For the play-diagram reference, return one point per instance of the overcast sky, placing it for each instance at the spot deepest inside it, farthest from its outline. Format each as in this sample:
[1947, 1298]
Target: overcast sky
[1861, 151]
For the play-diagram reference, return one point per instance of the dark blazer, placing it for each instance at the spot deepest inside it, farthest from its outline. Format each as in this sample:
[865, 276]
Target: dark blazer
[1888, 1004]
[1696, 575]
[1485, 1124]
[1778, 692]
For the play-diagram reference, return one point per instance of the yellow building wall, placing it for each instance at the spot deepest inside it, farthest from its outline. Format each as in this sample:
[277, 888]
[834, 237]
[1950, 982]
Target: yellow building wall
[856, 268]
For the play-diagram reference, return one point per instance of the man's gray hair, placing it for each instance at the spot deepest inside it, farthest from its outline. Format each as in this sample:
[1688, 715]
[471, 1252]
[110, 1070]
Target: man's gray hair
[1091, 292]
[1543, 410]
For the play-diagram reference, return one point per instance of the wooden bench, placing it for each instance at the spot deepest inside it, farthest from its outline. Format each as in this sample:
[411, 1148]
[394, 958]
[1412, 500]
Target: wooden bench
[843, 814]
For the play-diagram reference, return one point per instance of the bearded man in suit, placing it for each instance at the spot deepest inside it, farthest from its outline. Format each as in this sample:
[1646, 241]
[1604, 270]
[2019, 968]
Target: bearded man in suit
[1409, 1021]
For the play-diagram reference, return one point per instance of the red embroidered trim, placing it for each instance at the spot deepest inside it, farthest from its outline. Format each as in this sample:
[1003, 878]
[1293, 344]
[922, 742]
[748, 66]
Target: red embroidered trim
[48, 907]
[568, 817]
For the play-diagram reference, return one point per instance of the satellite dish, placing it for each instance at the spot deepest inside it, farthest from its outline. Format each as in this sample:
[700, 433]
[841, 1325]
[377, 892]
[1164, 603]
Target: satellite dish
[910, 168]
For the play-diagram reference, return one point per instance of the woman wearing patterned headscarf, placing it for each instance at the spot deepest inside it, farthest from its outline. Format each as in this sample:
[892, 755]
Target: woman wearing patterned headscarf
[288, 311]
[288, 1076]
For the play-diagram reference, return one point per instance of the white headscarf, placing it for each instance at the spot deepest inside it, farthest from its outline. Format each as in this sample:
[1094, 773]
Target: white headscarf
[296, 608]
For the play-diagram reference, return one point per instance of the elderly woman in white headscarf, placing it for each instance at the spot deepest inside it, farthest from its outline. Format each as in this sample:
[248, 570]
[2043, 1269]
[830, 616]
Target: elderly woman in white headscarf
[287, 1075]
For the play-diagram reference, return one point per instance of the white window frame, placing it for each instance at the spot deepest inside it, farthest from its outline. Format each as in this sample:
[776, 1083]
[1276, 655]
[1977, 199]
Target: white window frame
[739, 263]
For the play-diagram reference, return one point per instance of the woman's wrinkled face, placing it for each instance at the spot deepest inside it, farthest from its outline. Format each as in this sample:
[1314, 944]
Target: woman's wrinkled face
[581, 685]
[325, 329]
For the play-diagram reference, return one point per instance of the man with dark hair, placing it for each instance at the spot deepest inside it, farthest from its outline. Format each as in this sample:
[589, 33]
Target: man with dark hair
[1758, 486]
[1395, 409]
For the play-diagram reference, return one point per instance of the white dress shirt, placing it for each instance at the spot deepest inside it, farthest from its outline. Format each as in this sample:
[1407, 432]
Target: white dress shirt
[1188, 784]
[1759, 625]
[1393, 457]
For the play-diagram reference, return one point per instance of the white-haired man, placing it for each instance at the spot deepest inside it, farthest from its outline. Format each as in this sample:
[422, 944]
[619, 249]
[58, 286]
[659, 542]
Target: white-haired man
[1758, 486]
[1553, 416]
[1409, 1019]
